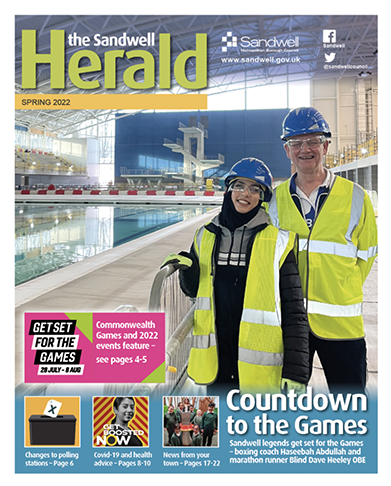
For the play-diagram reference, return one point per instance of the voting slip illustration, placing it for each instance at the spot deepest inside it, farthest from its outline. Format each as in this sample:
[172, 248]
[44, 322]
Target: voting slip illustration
[52, 408]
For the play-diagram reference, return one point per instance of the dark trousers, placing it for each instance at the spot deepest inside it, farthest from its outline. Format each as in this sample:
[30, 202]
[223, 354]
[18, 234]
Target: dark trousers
[344, 363]
[207, 435]
[170, 431]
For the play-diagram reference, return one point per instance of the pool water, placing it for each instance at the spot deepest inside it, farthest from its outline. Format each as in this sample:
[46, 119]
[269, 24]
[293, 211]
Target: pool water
[51, 237]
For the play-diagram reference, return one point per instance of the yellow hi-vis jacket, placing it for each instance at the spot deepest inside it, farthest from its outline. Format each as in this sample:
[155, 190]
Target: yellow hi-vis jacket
[335, 256]
[261, 347]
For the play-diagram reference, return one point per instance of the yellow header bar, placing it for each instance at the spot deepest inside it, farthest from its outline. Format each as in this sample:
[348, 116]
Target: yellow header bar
[111, 102]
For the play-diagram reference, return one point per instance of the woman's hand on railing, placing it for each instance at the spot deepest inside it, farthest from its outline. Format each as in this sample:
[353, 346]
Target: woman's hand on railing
[180, 262]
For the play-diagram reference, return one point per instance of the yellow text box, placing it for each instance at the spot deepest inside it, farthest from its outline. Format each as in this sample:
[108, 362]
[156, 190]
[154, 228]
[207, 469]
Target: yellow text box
[111, 102]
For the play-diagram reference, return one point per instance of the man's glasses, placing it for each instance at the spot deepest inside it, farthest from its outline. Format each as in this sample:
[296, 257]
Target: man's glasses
[311, 143]
[240, 187]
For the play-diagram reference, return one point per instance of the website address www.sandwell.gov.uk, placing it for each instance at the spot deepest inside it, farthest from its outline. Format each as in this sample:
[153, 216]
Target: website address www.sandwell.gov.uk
[260, 60]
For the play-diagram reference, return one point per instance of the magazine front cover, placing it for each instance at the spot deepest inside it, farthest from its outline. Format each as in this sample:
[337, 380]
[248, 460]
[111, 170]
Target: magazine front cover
[127, 131]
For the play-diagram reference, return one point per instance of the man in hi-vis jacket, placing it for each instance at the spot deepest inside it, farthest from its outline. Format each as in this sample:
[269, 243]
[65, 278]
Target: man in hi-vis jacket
[337, 230]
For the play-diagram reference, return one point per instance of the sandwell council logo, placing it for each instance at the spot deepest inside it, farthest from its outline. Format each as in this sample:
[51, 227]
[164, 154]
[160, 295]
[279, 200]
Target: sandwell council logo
[230, 41]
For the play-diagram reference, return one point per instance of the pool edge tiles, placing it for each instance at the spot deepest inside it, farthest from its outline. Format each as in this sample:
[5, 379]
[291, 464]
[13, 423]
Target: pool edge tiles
[121, 199]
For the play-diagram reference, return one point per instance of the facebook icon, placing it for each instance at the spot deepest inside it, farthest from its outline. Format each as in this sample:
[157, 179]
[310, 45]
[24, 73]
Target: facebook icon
[329, 36]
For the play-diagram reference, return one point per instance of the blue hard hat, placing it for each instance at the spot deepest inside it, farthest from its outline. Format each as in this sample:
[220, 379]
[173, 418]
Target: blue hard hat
[254, 169]
[301, 121]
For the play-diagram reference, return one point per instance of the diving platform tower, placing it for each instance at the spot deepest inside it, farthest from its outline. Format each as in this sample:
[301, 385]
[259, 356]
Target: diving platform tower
[195, 162]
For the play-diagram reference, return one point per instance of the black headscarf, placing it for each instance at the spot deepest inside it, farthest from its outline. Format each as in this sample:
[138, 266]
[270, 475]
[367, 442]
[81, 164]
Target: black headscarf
[232, 219]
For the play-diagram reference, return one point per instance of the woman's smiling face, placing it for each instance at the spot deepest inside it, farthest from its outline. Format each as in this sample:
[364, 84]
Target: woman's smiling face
[245, 200]
[125, 410]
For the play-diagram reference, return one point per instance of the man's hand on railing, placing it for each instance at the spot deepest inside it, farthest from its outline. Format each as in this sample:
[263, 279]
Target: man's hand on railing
[180, 262]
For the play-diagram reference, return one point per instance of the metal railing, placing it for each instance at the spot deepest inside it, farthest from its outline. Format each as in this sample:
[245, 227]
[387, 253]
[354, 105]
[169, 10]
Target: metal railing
[38, 161]
[352, 153]
[178, 141]
[166, 296]
[219, 157]
[142, 172]
[150, 171]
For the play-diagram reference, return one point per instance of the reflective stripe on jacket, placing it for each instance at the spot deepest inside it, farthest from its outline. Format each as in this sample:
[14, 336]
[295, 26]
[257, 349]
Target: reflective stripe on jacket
[260, 336]
[335, 256]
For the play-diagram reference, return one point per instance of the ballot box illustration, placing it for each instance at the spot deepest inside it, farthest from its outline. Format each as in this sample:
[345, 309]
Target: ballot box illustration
[59, 430]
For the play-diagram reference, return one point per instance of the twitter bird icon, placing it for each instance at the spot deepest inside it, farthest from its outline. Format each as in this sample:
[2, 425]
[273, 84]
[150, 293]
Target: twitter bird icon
[330, 57]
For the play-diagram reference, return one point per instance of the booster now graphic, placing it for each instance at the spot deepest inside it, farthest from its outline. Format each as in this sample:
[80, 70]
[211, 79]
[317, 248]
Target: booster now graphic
[120, 422]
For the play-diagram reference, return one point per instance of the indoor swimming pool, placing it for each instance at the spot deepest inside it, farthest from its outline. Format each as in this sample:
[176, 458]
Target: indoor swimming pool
[49, 237]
